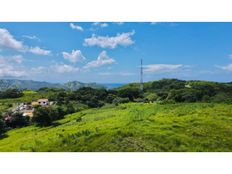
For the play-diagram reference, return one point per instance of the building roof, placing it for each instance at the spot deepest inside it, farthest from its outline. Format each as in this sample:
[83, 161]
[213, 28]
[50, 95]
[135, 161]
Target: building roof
[43, 100]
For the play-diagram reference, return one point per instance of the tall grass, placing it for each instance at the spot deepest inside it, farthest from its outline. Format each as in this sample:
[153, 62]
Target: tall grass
[139, 127]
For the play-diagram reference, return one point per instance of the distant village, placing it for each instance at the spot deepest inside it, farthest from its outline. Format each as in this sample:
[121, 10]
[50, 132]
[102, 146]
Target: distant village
[27, 109]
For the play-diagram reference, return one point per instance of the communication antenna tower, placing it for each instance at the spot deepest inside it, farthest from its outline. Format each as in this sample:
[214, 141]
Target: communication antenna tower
[141, 75]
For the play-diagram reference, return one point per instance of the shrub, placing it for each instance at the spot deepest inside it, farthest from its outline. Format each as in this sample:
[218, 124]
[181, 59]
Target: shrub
[119, 100]
[2, 126]
[17, 120]
[151, 97]
[130, 93]
[110, 98]
[44, 116]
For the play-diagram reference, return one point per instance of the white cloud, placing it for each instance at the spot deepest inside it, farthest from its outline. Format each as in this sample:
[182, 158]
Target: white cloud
[123, 39]
[10, 59]
[7, 41]
[7, 70]
[102, 59]
[64, 68]
[10, 66]
[74, 56]
[100, 24]
[226, 68]
[39, 51]
[39, 69]
[162, 68]
[76, 27]
[31, 37]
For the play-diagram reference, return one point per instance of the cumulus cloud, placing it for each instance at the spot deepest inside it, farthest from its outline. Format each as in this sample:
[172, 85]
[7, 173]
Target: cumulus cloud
[162, 68]
[123, 39]
[39, 51]
[74, 56]
[102, 59]
[7, 70]
[64, 68]
[76, 27]
[7, 41]
[10, 66]
[10, 59]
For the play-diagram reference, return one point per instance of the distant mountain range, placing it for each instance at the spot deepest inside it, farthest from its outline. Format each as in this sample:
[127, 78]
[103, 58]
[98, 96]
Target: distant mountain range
[35, 85]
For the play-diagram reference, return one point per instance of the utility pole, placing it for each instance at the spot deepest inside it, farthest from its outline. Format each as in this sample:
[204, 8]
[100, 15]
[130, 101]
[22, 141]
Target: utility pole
[141, 75]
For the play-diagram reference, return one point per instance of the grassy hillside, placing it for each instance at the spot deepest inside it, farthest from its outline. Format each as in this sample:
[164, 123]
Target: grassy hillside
[131, 127]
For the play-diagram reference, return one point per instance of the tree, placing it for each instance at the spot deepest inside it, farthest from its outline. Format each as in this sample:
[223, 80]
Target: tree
[44, 116]
[131, 93]
[151, 97]
[119, 100]
[17, 120]
[41, 116]
[110, 98]
[11, 93]
[2, 126]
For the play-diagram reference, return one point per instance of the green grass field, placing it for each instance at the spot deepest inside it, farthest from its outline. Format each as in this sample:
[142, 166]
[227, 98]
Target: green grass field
[132, 127]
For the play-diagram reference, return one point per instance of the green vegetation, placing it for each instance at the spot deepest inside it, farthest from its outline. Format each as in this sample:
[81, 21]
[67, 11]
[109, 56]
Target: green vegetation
[44, 116]
[169, 115]
[131, 127]
[11, 93]
[16, 120]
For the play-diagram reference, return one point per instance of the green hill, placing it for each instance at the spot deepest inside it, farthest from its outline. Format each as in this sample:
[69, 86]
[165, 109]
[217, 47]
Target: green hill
[35, 85]
[131, 127]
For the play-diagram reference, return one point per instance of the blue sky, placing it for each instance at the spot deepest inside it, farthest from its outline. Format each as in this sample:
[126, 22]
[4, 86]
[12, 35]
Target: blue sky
[110, 52]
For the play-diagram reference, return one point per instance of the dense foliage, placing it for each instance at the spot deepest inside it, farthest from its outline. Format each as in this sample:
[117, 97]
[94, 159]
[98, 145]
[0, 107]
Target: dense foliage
[2, 126]
[16, 120]
[44, 116]
[11, 93]
[165, 91]
[174, 90]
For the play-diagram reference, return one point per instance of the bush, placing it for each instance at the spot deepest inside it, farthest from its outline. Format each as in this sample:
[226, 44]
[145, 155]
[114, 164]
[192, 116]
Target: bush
[130, 93]
[119, 100]
[151, 97]
[44, 116]
[17, 120]
[110, 98]
[2, 126]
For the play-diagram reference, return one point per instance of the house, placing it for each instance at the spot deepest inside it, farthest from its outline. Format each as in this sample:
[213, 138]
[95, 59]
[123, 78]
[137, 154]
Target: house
[34, 103]
[43, 102]
[28, 113]
[27, 109]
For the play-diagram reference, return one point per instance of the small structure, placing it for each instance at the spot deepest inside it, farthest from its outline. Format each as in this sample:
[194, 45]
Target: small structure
[43, 102]
[28, 113]
[188, 86]
[34, 103]
[27, 109]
